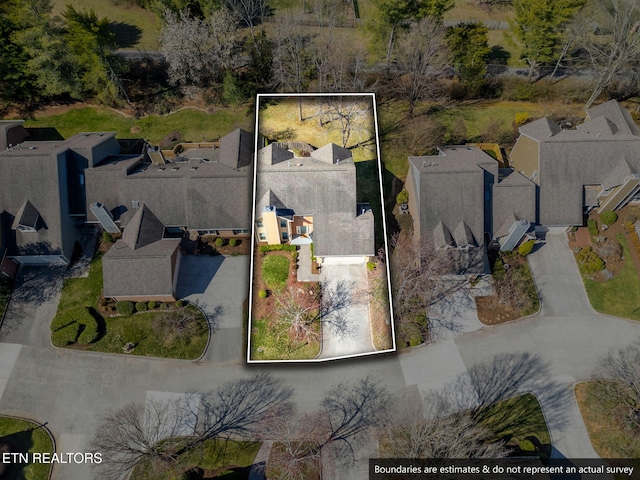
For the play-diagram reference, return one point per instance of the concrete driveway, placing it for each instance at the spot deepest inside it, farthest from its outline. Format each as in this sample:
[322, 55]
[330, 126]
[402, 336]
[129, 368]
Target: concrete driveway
[351, 281]
[219, 285]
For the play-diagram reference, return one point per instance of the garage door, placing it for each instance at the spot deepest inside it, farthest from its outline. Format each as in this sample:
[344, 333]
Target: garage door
[348, 260]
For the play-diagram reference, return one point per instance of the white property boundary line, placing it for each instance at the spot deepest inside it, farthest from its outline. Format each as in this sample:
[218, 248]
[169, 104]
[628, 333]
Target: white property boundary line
[384, 225]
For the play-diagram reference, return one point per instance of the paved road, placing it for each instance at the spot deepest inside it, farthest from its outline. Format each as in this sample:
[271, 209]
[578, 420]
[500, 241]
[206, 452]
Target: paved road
[545, 354]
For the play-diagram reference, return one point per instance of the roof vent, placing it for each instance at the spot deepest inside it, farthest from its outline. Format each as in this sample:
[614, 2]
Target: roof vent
[430, 164]
[161, 169]
[193, 168]
[173, 169]
[32, 148]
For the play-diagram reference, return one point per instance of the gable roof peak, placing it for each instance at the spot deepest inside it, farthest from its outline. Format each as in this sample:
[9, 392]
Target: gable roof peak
[143, 229]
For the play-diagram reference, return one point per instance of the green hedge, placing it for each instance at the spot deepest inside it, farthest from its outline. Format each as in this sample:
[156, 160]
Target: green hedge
[276, 248]
[125, 308]
[219, 242]
[526, 247]
[592, 225]
[75, 315]
[609, 218]
[90, 333]
[402, 197]
[141, 306]
[66, 335]
[233, 242]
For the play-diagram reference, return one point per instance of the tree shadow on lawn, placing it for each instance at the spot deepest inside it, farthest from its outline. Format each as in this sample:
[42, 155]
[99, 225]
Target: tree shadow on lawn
[505, 377]
[126, 35]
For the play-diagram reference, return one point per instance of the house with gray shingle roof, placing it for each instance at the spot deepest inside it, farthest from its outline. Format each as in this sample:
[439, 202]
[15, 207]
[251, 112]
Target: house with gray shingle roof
[595, 165]
[203, 189]
[42, 192]
[313, 200]
[143, 265]
[462, 201]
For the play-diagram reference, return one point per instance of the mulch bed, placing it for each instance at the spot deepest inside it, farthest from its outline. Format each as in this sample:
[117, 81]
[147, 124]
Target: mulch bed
[492, 312]
[209, 248]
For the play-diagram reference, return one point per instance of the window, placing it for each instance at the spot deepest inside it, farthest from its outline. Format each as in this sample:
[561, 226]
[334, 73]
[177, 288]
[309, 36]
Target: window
[208, 232]
[240, 231]
[259, 224]
[301, 230]
[262, 237]
[283, 223]
[285, 236]
[135, 204]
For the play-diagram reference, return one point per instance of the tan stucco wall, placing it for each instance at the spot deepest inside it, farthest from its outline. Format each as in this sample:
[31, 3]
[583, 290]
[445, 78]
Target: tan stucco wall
[524, 157]
[271, 227]
[298, 221]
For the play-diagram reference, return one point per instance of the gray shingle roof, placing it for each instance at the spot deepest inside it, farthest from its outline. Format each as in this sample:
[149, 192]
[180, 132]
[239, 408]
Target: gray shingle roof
[463, 236]
[236, 149]
[513, 196]
[503, 229]
[442, 236]
[618, 115]
[272, 154]
[323, 189]
[197, 194]
[143, 229]
[616, 176]
[540, 129]
[27, 216]
[330, 153]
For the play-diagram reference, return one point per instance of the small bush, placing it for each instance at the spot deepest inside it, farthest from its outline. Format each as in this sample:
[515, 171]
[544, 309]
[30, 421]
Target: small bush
[522, 118]
[90, 333]
[233, 242]
[371, 265]
[179, 303]
[66, 335]
[151, 305]
[609, 218]
[141, 306]
[527, 446]
[262, 294]
[402, 197]
[125, 308]
[592, 225]
[219, 242]
[107, 237]
[589, 261]
[526, 247]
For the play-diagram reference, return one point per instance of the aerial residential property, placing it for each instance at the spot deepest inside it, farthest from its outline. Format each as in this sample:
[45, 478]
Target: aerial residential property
[315, 236]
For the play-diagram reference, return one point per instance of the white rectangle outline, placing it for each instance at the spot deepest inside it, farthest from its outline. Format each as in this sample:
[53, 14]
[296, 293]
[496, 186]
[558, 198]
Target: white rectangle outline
[384, 228]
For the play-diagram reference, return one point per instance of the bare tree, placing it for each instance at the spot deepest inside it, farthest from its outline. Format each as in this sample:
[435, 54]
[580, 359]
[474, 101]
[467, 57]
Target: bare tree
[292, 61]
[619, 379]
[421, 57]
[347, 115]
[156, 434]
[348, 414]
[302, 312]
[196, 50]
[140, 434]
[417, 284]
[250, 12]
[437, 431]
[617, 52]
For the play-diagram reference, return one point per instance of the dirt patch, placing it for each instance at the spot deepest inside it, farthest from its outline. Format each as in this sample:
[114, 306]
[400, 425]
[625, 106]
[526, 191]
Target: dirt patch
[492, 312]
[379, 315]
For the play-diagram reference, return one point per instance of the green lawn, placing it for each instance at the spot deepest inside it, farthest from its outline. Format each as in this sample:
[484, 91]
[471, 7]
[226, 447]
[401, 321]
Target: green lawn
[192, 124]
[275, 271]
[137, 328]
[134, 27]
[619, 296]
[230, 459]
[25, 437]
[274, 343]
[610, 437]
[515, 419]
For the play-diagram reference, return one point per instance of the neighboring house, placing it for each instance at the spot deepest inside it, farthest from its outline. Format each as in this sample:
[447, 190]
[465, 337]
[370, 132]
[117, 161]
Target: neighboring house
[462, 201]
[595, 165]
[303, 200]
[143, 265]
[203, 189]
[42, 192]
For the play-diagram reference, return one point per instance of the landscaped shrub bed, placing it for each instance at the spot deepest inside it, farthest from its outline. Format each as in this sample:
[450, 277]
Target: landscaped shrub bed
[589, 261]
[276, 248]
[74, 325]
[592, 225]
[125, 308]
[609, 218]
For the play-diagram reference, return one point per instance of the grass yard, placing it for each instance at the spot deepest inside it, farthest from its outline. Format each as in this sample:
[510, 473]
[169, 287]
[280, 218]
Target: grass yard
[516, 419]
[281, 120]
[137, 328]
[134, 27]
[619, 296]
[273, 342]
[192, 124]
[24, 436]
[275, 271]
[224, 459]
[605, 423]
